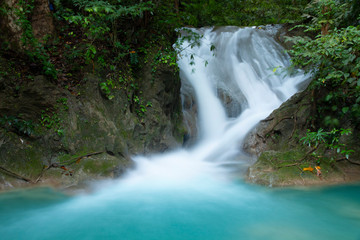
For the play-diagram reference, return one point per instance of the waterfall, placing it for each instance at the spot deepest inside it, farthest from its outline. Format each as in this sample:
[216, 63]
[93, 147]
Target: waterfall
[190, 193]
[229, 95]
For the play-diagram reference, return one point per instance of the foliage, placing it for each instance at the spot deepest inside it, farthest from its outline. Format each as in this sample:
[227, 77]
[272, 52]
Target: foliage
[107, 37]
[51, 120]
[33, 48]
[352, 16]
[12, 123]
[241, 13]
[100, 21]
[166, 56]
[64, 103]
[136, 103]
[106, 89]
[331, 140]
[325, 14]
[333, 59]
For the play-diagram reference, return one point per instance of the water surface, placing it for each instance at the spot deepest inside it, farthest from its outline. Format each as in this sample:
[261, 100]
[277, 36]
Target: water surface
[227, 211]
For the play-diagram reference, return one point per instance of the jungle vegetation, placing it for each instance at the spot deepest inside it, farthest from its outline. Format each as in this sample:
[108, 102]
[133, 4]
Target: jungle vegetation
[116, 38]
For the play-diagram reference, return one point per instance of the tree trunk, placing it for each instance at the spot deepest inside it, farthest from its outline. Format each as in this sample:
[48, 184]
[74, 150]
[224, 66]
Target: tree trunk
[177, 6]
[325, 26]
[41, 20]
[11, 32]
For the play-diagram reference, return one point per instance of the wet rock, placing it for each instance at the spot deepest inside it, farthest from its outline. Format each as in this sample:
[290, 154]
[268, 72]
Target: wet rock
[90, 124]
[281, 154]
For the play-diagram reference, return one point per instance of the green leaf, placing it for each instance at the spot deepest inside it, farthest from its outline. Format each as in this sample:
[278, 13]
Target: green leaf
[345, 109]
[328, 97]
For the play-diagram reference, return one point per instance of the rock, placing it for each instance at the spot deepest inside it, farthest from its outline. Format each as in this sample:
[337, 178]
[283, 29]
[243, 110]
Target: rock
[281, 155]
[282, 126]
[90, 124]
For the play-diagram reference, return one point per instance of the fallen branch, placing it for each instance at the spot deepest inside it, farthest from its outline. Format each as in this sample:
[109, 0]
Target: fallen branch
[15, 175]
[53, 165]
[63, 164]
[307, 154]
[346, 159]
[298, 162]
[290, 165]
[356, 163]
[78, 159]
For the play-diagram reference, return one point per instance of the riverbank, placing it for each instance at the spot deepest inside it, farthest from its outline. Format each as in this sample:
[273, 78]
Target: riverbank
[265, 172]
[283, 158]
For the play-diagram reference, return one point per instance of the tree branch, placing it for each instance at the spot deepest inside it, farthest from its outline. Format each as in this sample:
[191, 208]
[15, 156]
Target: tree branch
[15, 175]
[346, 159]
[63, 164]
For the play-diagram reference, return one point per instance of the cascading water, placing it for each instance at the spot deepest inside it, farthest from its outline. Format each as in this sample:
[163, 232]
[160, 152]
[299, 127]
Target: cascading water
[187, 194]
[240, 77]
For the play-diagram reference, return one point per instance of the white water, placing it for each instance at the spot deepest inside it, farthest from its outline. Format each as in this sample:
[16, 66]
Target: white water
[241, 69]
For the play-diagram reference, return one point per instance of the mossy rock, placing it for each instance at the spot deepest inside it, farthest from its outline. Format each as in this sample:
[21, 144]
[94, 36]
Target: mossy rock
[287, 168]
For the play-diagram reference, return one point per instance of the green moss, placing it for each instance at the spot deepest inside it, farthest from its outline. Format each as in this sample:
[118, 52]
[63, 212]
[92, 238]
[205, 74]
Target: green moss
[125, 134]
[33, 157]
[278, 159]
[99, 166]
[63, 157]
[275, 168]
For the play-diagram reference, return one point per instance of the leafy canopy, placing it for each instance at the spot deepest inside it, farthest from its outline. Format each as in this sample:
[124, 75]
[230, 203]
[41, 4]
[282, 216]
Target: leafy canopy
[332, 56]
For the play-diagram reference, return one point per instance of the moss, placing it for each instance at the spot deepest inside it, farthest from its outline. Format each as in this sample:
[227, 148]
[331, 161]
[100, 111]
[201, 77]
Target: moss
[278, 159]
[125, 134]
[63, 157]
[33, 164]
[286, 173]
[179, 130]
[275, 168]
[101, 167]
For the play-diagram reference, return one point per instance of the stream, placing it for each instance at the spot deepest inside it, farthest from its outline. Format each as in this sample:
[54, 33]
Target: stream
[198, 192]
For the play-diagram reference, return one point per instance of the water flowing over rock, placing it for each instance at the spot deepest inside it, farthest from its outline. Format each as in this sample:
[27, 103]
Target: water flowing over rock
[238, 83]
[229, 94]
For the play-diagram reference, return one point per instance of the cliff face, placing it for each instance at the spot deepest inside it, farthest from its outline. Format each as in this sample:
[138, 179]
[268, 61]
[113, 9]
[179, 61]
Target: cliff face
[83, 124]
[52, 134]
